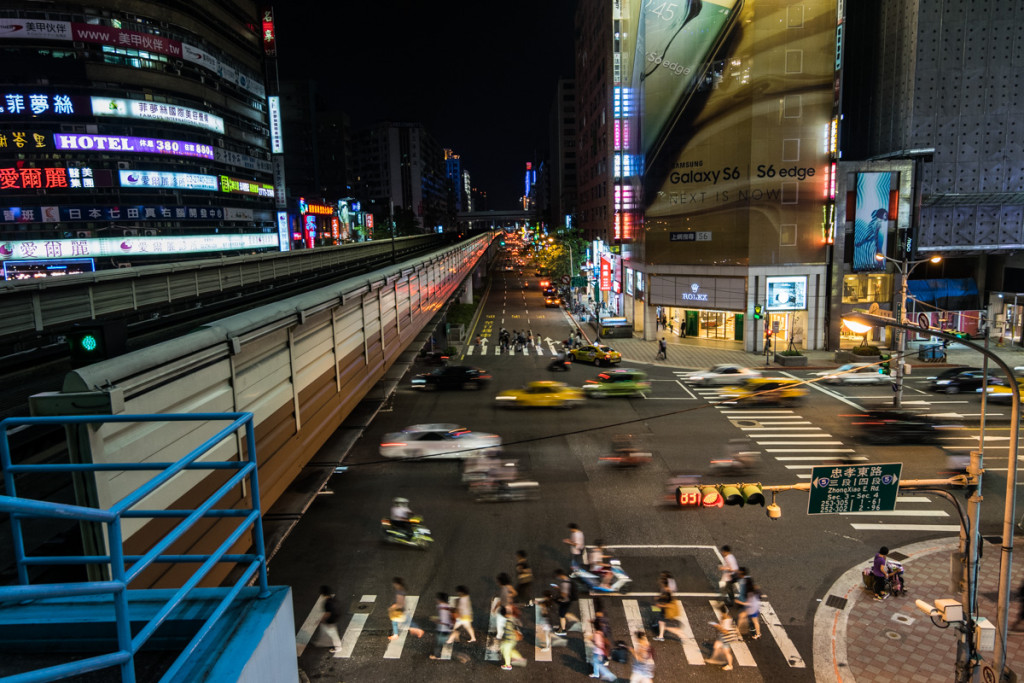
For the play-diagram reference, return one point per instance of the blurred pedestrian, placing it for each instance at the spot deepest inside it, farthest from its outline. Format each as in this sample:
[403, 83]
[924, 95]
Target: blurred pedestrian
[564, 599]
[751, 604]
[329, 620]
[463, 615]
[662, 350]
[524, 579]
[602, 621]
[728, 566]
[547, 612]
[669, 616]
[444, 623]
[726, 635]
[396, 611]
[643, 660]
[506, 601]
[666, 582]
[511, 635]
[576, 546]
[1016, 626]
[599, 654]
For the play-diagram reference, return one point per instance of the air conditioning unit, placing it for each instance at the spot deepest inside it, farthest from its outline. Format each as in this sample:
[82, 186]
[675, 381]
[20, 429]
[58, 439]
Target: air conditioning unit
[83, 234]
[131, 233]
[123, 165]
[149, 233]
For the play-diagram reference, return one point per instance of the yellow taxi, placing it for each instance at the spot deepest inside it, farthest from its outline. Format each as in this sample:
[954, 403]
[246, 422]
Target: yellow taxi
[542, 394]
[598, 354]
[1002, 394]
[765, 390]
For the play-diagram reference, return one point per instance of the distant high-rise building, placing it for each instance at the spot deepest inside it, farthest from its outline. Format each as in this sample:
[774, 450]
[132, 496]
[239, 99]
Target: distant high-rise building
[562, 143]
[454, 173]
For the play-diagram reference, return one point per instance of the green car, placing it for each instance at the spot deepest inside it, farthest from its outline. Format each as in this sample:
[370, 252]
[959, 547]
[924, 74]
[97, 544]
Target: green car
[619, 382]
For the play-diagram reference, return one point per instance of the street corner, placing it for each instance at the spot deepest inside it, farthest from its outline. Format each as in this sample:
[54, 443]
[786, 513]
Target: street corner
[848, 621]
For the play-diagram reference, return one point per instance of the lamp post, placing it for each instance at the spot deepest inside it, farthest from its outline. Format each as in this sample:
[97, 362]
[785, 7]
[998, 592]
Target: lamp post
[905, 268]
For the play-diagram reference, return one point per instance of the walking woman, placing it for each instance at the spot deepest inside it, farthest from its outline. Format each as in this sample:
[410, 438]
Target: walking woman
[396, 611]
[463, 615]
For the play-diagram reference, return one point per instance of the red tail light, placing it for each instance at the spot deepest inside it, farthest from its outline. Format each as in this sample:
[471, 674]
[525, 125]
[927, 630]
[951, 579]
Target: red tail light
[392, 444]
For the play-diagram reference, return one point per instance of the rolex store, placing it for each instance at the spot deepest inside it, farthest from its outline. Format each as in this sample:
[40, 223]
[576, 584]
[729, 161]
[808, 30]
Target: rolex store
[701, 306]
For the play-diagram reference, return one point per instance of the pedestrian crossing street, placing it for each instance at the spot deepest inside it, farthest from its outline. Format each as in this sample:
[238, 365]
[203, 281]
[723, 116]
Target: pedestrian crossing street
[543, 348]
[626, 614]
[783, 435]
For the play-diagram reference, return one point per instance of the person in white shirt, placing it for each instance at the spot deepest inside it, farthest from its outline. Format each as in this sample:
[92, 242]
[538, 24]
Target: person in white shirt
[728, 568]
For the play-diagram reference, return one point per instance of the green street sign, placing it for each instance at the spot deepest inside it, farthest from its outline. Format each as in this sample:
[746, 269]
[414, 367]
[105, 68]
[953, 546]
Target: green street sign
[854, 488]
[579, 281]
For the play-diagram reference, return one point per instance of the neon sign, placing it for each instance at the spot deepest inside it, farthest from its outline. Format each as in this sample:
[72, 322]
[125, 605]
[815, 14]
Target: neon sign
[114, 143]
[237, 186]
[36, 104]
[156, 111]
[45, 178]
[167, 180]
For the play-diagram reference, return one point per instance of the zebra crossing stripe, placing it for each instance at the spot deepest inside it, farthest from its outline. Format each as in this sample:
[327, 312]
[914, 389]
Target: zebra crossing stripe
[690, 647]
[354, 630]
[309, 626]
[395, 646]
[770, 619]
[634, 622]
[587, 622]
[491, 655]
[739, 649]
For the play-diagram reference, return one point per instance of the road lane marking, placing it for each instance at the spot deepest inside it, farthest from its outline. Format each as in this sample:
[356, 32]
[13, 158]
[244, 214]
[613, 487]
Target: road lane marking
[491, 654]
[634, 622]
[952, 528]
[308, 627]
[808, 450]
[812, 457]
[801, 429]
[901, 513]
[761, 438]
[587, 622]
[691, 649]
[800, 443]
[770, 619]
[539, 653]
[395, 646]
[354, 629]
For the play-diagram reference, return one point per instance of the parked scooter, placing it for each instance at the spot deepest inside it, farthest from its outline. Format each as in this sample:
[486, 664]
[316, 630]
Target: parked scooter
[593, 581]
[416, 535]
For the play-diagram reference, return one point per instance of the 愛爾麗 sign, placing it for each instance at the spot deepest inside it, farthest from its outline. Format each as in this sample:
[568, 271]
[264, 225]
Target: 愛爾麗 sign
[698, 291]
[606, 275]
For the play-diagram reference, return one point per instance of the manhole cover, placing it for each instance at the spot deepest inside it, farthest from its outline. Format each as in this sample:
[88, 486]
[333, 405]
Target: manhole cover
[892, 635]
[903, 619]
[836, 601]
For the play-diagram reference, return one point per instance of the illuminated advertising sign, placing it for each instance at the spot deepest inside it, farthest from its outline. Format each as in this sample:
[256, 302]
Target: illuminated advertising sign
[274, 107]
[24, 250]
[369, 221]
[787, 293]
[871, 221]
[156, 111]
[35, 28]
[281, 198]
[113, 143]
[26, 140]
[245, 161]
[734, 109]
[204, 59]
[83, 214]
[32, 104]
[283, 237]
[269, 37]
[319, 209]
[335, 227]
[250, 187]
[46, 178]
[168, 181]
[606, 275]
[107, 35]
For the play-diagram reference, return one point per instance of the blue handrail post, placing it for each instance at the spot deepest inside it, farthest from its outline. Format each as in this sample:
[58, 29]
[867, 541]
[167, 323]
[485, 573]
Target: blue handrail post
[17, 537]
[124, 630]
[254, 488]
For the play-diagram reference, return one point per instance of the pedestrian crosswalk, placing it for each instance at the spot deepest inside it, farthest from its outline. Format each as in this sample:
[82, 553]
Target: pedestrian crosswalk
[543, 348]
[688, 642]
[799, 445]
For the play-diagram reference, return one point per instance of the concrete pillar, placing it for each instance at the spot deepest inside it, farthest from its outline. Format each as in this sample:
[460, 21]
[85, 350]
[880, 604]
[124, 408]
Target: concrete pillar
[467, 291]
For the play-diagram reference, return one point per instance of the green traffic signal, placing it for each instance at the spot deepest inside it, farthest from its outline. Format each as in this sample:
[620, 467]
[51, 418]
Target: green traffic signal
[757, 312]
[884, 367]
[86, 346]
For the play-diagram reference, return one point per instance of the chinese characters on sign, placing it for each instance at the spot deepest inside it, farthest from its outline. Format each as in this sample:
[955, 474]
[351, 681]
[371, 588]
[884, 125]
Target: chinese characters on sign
[136, 246]
[234, 185]
[606, 275]
[854, 488]
[36, 104]
[46, 178]
[81, 214]
[156, 111]
[21, 139]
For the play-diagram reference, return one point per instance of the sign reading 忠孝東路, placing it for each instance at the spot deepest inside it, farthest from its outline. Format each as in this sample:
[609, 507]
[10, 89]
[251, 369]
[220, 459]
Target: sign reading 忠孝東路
[854, 488]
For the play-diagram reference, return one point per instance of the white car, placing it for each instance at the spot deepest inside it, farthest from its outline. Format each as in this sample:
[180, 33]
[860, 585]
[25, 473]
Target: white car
[722, 374]
[854, 373]
[437, 441]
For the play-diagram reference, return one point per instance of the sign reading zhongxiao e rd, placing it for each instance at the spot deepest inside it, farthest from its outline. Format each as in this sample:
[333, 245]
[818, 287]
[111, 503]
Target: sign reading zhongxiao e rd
[854, 488]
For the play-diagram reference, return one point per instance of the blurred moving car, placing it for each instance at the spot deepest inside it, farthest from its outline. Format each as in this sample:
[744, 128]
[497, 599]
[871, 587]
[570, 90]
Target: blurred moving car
[552, 302]
[541, 394]
[451, 377]
[885, 426]
[965, 380]
[618, 382]
[722, 374]
[437, 441]
[598, 354]
[854, 373]
[1001, 393]
[766, 391]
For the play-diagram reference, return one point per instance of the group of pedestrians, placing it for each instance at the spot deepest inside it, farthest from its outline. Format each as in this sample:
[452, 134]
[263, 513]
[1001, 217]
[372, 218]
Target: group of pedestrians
[519, 339]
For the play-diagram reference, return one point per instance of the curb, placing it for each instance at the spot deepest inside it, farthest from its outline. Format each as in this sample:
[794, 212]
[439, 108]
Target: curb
[831, 663]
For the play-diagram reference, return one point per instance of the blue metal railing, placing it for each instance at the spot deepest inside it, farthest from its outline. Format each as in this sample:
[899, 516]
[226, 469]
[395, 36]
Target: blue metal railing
[126, 568]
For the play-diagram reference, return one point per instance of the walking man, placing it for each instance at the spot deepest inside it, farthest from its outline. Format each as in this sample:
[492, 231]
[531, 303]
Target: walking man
[728, 568]
[329, 620]
[662, 350]
[444, 625]
[576, 545]
[563, 599]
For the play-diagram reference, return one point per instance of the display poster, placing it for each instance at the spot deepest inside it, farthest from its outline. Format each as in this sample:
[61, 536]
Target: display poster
[871, 221]
[735, 104]
[788, 293]
[132, 246]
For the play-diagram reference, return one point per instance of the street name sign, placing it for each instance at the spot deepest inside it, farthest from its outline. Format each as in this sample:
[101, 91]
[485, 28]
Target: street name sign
[840, 489]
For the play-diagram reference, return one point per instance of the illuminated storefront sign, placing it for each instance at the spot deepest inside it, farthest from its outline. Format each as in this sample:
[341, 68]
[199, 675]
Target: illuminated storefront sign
[319, 209]
[132, 246]
[269, 37]
[23, 139]
[113, 143]
[245, 161]
[107, 35]
[274, 106]
[238, 186]
[786, 293]
[83, 214]
[33, 104]
[35, 28]
[46, 178]
[283, 236]
[156, 111]
[166, 180]
[606, 275]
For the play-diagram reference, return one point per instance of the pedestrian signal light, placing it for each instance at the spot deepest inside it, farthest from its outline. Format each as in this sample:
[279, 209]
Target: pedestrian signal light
[87, 345]
[884, 367]
[710, 497]
[689, 496]
[757, 312]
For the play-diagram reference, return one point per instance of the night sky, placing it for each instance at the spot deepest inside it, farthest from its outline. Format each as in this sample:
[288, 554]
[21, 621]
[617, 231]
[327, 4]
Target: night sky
[479, 75]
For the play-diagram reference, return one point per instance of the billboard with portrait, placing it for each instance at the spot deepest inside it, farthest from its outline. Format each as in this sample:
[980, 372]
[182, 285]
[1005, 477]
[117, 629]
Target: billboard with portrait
[871, 221]
[736, 105]
[787, 293]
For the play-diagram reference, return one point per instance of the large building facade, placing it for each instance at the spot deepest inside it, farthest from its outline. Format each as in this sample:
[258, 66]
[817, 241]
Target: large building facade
[134, 133]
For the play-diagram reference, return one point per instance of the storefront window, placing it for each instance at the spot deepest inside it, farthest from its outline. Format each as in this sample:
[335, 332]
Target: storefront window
[867, 288]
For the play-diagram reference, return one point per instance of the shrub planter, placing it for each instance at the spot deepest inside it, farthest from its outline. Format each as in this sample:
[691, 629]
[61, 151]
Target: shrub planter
[850, 357]
[790, 361]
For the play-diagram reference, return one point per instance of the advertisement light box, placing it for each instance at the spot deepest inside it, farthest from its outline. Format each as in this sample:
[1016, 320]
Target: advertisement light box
[156, 111]
[787, 293]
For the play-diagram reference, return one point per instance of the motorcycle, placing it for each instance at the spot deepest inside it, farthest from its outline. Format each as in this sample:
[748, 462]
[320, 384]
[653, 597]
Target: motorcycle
[894, 585]
[739, 459]
[593, 581]
[559, 365]
[628, 450]
[504, 491]
[417, 535]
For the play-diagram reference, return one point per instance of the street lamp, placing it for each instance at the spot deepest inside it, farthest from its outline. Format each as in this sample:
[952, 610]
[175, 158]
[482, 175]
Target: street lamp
[905, 268]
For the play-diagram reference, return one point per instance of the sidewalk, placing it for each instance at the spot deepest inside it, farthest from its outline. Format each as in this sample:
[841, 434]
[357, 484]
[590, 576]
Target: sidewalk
[858, 639]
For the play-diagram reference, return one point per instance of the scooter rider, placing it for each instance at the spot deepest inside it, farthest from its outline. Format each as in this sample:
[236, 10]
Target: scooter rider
[400, 514]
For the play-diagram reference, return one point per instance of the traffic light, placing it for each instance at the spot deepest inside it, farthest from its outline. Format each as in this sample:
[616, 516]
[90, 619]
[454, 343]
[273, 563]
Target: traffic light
[768, 333]
[741, 494]
[87, 345]
[757, 312]
[689, 496]
[961, 335]
[711, 497]
[884, 367]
